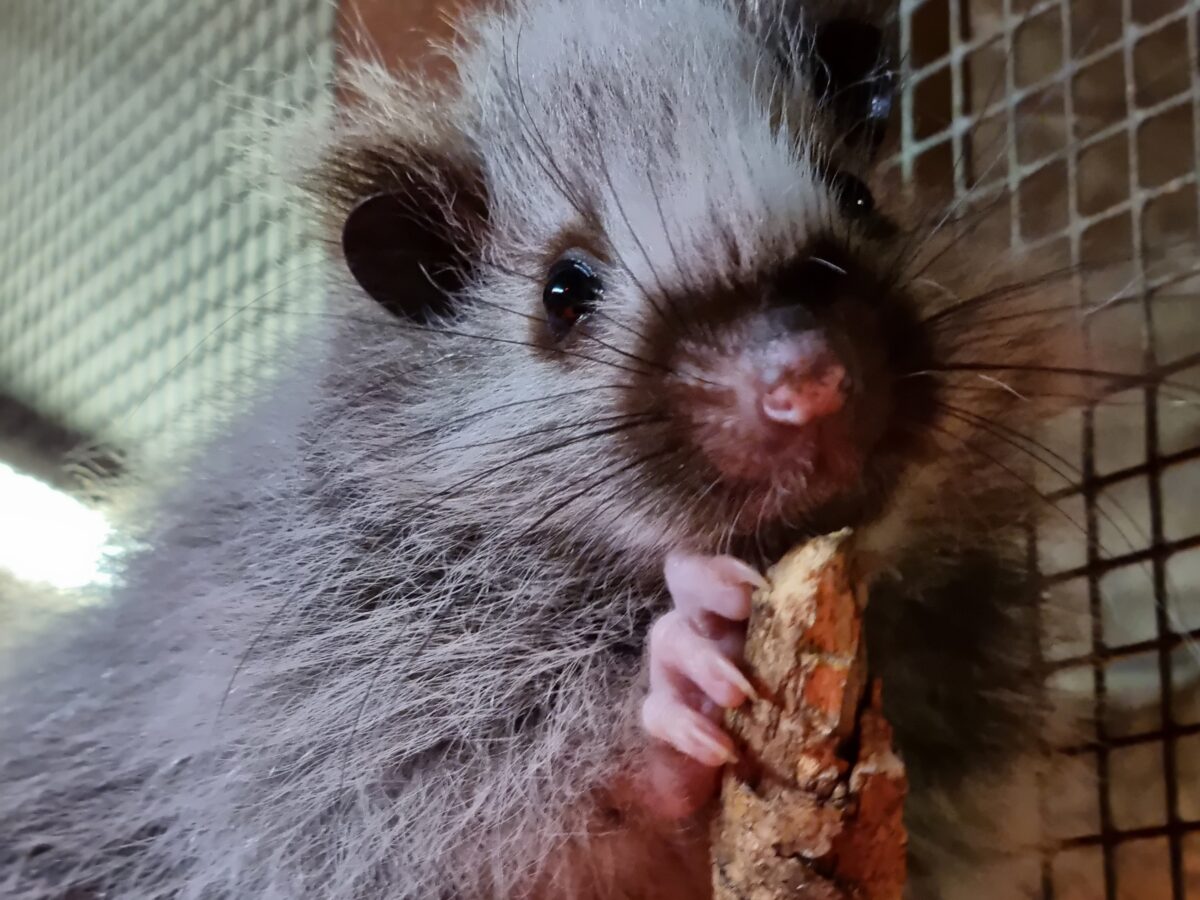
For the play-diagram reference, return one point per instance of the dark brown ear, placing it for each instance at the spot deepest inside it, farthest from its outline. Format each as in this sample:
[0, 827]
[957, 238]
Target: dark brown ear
[853, 71]
[412, 225]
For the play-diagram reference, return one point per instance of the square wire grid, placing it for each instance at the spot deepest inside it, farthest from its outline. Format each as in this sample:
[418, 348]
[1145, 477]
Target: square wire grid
[143, 279]
[1082, 117]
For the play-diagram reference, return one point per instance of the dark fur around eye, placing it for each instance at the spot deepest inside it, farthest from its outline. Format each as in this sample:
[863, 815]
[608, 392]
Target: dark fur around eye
[572, 291]
[854, 197]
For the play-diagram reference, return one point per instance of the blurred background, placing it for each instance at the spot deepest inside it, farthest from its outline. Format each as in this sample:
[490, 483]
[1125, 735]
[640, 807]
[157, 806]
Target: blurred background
[145, 281]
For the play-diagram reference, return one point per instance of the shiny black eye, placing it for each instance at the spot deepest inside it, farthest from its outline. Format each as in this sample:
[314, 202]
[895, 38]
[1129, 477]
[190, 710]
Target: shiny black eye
[852, 195]
[572, 291]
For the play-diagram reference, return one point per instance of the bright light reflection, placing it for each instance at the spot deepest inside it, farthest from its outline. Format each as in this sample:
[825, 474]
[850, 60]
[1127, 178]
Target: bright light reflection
[47, 535]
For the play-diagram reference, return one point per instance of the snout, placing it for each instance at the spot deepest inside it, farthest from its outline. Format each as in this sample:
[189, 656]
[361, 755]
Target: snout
[809, 383]
[775, 409]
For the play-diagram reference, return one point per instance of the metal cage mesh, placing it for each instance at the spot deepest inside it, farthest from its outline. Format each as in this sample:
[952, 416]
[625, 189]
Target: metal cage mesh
[1081, 120]
[129, 240]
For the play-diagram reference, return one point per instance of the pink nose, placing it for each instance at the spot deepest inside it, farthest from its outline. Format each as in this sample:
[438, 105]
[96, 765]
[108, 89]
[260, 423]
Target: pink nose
[804, 394]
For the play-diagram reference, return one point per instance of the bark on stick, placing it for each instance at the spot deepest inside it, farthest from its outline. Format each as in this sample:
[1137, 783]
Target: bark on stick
[813, 811]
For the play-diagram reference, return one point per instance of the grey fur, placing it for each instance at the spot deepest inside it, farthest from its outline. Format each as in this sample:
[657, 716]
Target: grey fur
[369, 651]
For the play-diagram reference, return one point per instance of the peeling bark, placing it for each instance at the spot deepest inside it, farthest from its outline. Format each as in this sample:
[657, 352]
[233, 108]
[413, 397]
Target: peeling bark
[813, 810]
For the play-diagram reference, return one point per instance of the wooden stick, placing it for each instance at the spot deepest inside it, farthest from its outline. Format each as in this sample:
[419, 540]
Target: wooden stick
[813, 810]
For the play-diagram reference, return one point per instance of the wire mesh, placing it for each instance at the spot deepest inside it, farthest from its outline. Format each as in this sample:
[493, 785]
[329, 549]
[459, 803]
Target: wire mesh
[1081, 117]
[132, 249]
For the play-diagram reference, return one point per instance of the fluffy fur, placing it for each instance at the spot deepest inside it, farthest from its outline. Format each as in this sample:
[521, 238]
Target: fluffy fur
[386, 642]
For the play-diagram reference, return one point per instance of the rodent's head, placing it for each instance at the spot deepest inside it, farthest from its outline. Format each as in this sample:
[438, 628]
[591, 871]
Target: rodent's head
[637, 255]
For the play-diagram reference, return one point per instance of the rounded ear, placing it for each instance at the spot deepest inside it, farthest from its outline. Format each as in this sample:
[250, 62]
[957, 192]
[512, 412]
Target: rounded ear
[852, 71]
[410, 220]
[408, 264]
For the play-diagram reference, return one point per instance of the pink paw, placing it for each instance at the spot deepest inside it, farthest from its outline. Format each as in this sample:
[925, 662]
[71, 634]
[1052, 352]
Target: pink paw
[694, 675]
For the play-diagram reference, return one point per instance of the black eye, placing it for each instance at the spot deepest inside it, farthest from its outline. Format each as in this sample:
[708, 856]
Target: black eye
[852, 195]
[572, 291]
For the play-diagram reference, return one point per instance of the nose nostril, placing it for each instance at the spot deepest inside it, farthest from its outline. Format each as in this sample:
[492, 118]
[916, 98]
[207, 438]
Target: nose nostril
[798, 399]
